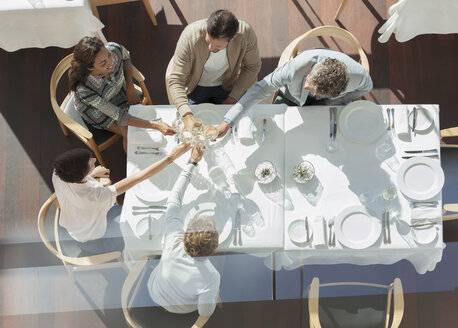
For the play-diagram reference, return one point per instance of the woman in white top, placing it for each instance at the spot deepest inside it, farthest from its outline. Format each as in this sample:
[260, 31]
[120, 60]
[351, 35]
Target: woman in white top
[85, 202]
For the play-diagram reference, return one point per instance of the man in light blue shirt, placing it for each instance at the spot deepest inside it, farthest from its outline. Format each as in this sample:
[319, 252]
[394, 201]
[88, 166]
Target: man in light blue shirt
[316, 76]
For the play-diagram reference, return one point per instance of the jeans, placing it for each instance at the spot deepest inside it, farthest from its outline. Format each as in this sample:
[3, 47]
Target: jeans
[112, 240]
[214, 95]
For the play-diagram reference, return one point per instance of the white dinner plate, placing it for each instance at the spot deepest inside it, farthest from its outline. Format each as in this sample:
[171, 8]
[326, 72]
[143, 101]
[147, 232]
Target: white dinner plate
[156, 188]
[222, 218]
[143, 227]
[298, 233]
[420, 178]
[424, 234]
[357, 228]
[210, 114]
[362, 122]
[270, 128]
[424, 119]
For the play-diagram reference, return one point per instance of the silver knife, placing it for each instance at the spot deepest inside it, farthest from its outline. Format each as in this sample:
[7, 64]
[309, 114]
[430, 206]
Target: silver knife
[383, 226]
[392, 117]
[420, 155]
[145, 148]
[421, 151]
[414, 123]
[331, 125]
[149, 227]
[147, 212]
[149, 207]
[389, 119]
[234, 227]
[334, 114]
[239, 225]
[264, 121]
[149, 152]
[387, 226]
[307, 228]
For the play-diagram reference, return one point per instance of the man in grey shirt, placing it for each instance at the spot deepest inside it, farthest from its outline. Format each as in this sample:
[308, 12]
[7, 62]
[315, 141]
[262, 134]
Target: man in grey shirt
[322, 76]
[185, 280]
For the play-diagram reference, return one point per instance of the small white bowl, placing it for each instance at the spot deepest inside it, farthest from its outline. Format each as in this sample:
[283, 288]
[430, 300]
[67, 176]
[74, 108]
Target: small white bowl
[260, 169]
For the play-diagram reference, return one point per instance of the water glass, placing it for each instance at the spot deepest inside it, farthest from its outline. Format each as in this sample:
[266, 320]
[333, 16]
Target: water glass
[389, 193]
[248, 229]
[332, 146]
[257, 219]
[186, 136]
[211, 132]
[366, 197]
[197, 127]
[178, 125]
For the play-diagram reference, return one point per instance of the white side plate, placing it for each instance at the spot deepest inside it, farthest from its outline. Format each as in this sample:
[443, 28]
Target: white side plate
[156, 188]
[424, 119]
[420, 178]
[297, 231]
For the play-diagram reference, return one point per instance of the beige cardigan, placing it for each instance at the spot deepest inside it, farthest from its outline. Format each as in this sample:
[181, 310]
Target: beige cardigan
[192, 52]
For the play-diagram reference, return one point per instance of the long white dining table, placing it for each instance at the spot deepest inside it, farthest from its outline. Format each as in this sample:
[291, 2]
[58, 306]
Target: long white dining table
[341, 178]
[45, 23]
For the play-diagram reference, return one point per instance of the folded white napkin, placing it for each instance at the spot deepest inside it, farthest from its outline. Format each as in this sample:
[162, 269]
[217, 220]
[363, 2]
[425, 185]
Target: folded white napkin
[401, 119]
[246, 128]
[421, 213]
[152, 138]
[319, 238]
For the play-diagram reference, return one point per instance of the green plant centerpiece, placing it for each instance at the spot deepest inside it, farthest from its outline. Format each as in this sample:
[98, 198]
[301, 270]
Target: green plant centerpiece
[303, 172]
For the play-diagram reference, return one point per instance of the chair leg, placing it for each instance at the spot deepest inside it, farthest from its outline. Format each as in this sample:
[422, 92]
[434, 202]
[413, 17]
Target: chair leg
[341, 7]
[70, 271]
[64, 129]
[96, 151]
[94, 9]
[150, 12]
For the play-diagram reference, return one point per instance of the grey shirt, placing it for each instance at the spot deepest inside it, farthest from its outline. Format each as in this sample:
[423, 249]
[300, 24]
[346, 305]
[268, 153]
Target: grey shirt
[181, 283]
[290, 79]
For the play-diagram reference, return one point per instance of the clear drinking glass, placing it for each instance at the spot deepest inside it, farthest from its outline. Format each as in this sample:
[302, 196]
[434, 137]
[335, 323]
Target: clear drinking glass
[186, 136]
[390, 193]
[197, 127]
[198, 140]
[366, 196]
[178, 125]
[211, 132]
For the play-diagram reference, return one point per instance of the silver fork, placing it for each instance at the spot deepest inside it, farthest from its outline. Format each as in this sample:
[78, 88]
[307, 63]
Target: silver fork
[332, 233]
[392, 117]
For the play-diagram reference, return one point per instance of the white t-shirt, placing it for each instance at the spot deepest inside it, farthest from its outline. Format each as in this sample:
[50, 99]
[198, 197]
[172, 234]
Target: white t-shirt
[84, 207]
[214, 69]
[181, 283]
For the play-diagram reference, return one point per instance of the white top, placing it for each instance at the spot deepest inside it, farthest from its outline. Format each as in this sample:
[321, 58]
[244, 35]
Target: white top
[181, 283]
[214, 69]
[84, 207]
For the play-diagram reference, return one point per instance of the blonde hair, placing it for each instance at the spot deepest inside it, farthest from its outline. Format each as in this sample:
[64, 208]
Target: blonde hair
[201, 237]
[329, 77]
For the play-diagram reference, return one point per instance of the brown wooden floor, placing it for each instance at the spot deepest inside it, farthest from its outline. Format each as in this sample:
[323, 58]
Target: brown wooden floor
[422, 70]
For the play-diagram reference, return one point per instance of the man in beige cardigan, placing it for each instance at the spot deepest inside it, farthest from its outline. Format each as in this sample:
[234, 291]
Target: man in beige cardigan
[207, 64]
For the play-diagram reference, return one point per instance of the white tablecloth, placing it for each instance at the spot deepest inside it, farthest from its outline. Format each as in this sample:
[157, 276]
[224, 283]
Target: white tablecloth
[268, 200]
[344, 175]
[45, 23]
[298, 133]
[410, 18]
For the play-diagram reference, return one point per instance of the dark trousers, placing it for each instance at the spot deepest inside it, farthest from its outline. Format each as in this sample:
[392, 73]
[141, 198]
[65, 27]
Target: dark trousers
[213, 95]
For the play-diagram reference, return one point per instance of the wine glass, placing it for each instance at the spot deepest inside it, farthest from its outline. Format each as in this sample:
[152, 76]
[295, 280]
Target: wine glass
[178, 125]
[211, 132]
[197, 127]
[186, 136]
[198, 140]
[390, 193]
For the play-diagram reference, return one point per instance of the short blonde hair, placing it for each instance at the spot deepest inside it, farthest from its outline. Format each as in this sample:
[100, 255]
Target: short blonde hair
[201, 237]
[329, 77]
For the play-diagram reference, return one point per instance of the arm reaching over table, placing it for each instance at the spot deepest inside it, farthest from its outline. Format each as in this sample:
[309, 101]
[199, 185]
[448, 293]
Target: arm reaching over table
[127, 183]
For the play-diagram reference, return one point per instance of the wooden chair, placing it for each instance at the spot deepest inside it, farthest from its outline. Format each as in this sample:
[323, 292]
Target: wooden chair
[292, 50]
[69, 118]
[140, 314]
[72, 262]
[95, 3]
[449, 133]
[342, 311]
[342, 5]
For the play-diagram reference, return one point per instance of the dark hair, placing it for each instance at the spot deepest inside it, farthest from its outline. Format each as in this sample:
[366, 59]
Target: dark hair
[83, 59]
[222, 24]
[72, 166]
